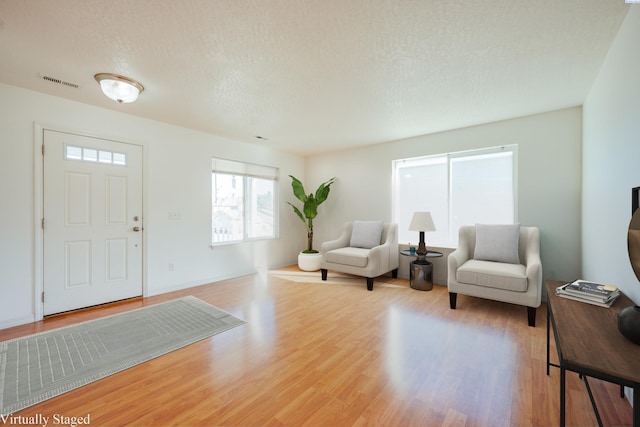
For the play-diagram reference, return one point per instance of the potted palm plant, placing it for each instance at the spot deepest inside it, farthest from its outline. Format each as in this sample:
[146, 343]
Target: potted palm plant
[309, 259]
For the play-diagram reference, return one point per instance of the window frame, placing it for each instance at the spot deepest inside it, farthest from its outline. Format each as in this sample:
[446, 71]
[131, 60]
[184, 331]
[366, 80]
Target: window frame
[245, 171]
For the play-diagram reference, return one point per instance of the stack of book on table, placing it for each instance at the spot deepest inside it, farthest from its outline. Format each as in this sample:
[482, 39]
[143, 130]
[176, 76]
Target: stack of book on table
[589, 292]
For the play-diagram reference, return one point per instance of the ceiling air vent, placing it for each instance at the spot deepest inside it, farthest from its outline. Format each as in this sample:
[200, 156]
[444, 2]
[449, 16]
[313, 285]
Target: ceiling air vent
[60, 82]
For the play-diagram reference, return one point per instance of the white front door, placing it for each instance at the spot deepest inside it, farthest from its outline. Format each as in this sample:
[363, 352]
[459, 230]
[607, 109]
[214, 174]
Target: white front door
[92, 221]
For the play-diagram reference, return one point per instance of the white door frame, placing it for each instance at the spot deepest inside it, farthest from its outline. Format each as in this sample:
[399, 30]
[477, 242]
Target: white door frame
[38, 210]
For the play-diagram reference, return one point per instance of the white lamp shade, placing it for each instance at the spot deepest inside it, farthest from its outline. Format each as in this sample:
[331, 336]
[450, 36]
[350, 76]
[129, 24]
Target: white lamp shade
[119, 88]
[422, 221]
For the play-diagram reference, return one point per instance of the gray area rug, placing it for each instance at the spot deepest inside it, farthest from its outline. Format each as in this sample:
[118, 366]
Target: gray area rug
[41, 366]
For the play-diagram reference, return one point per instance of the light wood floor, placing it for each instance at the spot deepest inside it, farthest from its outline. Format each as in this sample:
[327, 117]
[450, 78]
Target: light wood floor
[334, 354]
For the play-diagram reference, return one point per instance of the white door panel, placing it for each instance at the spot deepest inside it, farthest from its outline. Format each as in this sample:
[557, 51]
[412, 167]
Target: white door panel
[92, 202]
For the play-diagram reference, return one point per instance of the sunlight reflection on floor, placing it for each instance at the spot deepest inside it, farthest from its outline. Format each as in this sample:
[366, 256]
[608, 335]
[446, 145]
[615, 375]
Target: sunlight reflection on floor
[416, 343]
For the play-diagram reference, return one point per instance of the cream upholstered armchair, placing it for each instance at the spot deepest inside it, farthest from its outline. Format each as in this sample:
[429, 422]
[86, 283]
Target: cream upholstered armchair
[497, 262]
[365, 248]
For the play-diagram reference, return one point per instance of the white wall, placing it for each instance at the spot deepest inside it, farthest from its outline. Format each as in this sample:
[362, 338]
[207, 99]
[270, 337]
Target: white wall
[549, 186]
[612, 160]
[177, 179]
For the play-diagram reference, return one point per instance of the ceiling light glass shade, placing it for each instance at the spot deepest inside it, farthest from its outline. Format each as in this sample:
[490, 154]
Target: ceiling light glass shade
[119, 88]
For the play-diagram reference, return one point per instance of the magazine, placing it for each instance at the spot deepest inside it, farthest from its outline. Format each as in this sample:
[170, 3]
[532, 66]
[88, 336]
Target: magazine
[591, 290]
[605, 304]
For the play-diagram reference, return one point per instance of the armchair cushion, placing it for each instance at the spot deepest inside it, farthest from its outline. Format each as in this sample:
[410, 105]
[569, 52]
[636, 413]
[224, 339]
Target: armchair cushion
[356, 257]
[366, 234]
[497, 242]
[510, 277]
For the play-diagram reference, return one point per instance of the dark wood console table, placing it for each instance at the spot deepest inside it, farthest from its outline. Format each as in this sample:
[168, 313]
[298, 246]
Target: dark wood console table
[589, 343]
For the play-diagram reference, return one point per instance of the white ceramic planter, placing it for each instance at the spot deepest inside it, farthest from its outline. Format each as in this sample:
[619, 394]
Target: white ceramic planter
[309, 262]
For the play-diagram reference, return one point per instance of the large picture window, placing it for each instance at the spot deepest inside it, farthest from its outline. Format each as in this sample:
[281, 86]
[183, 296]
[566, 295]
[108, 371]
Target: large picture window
[458, 189]
[244, 199]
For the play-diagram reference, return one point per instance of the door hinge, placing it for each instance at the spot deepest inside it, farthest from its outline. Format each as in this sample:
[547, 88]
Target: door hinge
[42, 223]
[43, 149]
[42, 297]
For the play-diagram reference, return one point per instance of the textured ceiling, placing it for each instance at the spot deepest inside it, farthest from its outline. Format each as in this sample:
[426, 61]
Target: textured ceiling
[313, 76]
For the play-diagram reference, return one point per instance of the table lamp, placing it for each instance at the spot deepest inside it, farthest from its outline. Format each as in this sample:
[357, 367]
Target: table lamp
[422, 222]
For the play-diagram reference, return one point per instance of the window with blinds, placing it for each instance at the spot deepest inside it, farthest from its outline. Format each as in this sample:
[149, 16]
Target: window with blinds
[244, 201]
[462, 188]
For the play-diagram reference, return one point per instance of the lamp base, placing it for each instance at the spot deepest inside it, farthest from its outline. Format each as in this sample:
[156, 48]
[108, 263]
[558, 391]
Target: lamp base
[422, 248]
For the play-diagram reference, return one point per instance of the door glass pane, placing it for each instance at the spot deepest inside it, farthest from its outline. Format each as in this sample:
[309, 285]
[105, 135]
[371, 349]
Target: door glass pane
[119, 159]
[73, 153]
[90, 155]
[104, 156]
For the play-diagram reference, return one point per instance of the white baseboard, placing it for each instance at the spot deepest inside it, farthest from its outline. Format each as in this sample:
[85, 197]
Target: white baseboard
[16, 322]
[181, 286]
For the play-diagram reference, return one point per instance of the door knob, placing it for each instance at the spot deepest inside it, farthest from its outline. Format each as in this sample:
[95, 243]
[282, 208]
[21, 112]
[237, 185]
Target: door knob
[136, 229]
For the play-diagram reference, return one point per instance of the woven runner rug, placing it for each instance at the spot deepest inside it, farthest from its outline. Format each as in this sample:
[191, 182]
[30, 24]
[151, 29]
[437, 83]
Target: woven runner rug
[41, 366]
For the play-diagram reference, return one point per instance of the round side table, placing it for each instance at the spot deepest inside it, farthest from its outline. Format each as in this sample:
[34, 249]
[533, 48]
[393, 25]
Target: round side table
[421, 270]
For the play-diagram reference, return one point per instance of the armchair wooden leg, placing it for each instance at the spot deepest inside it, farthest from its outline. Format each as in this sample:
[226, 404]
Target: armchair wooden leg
[323, 271]
[394, 273]
[453, 298]
[531, 315]
[370, 283]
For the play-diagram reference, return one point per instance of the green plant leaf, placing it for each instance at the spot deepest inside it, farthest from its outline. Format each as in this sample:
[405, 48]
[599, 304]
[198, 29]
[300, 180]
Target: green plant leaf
[310, 207]
[323, 191]
[297, 211]
[298, 189]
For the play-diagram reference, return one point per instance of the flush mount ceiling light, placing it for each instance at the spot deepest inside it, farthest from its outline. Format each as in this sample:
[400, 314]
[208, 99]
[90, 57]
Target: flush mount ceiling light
[119, 88]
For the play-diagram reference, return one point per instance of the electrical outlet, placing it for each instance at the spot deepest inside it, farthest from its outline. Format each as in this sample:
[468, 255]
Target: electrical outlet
[174, 216]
